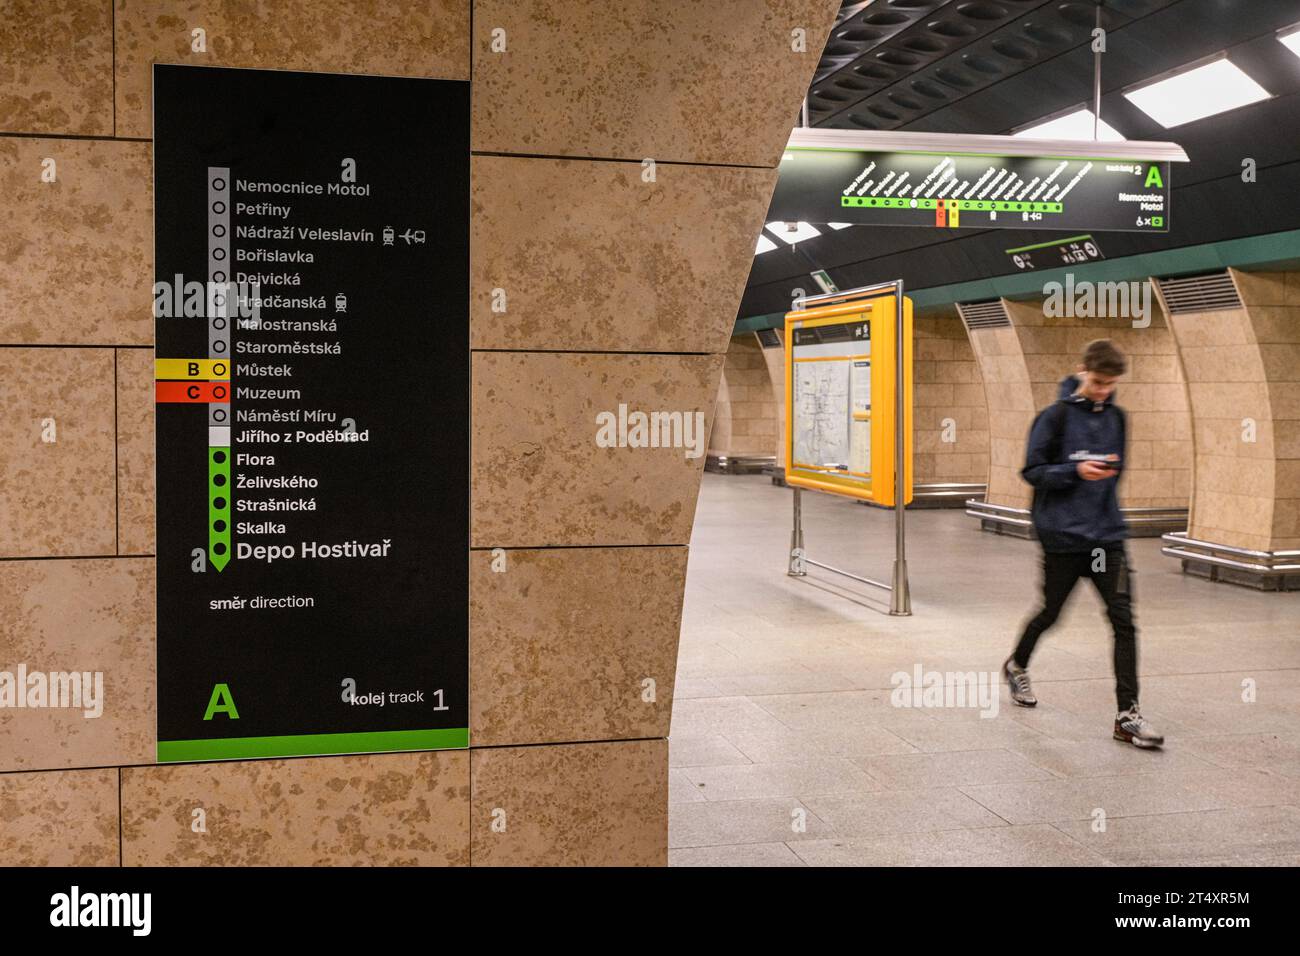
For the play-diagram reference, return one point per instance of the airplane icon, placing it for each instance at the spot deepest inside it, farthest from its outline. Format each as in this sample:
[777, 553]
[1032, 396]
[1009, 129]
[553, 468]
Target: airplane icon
[410, 236]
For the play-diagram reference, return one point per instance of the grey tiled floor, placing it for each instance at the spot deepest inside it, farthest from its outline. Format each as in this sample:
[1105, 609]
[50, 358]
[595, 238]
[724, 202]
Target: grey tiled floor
[786, 749]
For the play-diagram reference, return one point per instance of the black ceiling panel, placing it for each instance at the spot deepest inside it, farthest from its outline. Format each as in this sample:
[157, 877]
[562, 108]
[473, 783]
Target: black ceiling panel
[961, 48]
[1179, 33]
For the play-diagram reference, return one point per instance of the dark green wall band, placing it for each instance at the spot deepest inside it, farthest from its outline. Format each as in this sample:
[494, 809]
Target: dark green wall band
[1276, 250]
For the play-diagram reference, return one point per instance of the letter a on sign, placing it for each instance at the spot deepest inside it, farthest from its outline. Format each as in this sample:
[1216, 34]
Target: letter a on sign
[221, 703]
[1153, 178]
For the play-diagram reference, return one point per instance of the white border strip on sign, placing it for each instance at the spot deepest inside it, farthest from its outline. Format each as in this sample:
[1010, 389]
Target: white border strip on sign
[904, 142]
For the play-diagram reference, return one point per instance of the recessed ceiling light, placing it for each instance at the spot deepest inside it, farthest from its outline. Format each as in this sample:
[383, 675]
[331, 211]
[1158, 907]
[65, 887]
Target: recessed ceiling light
[839, 225]
[1197, 93]
[1076, 125]
[800, 232]
[1290, 39]
[764, 245]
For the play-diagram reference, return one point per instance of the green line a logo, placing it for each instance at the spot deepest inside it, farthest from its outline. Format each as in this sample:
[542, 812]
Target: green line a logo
[221, 702]
[1154, 178]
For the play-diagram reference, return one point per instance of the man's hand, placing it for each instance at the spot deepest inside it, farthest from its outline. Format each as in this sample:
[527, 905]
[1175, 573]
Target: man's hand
[1094, 470]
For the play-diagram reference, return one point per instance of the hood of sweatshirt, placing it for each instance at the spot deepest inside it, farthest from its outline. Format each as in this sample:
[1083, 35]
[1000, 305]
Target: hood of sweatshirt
[1065, 392]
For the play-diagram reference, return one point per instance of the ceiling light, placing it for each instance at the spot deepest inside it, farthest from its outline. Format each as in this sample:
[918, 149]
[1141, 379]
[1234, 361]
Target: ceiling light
[764, 245]
[1197, 93]
[1074, 125]
[1290, 39]
[793, 232]
[839, 225]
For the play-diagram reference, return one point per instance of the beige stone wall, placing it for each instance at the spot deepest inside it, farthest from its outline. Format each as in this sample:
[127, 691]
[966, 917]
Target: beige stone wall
[746, 417]
[620, 288]
[774, 362]
[1022, 366]
[1243, 375]
[1010, 403]
[950, 430]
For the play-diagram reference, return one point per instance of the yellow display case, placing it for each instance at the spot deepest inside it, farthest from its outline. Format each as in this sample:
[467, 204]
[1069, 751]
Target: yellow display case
[840, 397]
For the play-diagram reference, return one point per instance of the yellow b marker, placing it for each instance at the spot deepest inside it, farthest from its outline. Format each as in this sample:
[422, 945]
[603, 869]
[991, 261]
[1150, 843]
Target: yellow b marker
[208, 370]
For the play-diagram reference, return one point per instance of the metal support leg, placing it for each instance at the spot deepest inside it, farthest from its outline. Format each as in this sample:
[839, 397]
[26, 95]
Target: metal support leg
[796, 567]
[900, 595]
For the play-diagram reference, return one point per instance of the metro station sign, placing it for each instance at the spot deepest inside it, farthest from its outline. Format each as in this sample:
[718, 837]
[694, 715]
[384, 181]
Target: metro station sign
[986, 182]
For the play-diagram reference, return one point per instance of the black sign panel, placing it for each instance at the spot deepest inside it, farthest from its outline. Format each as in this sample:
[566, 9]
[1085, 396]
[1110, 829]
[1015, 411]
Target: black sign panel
[1070, 251]
[859, 330]
[959, 191]
[312, 389]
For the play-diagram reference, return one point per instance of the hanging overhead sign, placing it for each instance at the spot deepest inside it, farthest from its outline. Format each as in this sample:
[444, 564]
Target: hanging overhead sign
[1072, 250]
[986, 182]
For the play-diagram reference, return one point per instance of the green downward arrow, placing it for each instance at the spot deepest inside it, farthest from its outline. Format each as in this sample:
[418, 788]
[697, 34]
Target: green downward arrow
[219, 507]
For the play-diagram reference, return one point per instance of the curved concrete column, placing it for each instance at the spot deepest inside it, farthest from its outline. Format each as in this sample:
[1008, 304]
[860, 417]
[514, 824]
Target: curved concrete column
[745, 417]
[1010, 402]
[774, 361]
[950, 419]
[1243, 379]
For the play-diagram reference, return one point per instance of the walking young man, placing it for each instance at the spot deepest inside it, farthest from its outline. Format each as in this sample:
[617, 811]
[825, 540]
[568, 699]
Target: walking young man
[1076, 453]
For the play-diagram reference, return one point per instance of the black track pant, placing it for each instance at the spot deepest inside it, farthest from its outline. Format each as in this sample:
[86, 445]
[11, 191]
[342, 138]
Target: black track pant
[1114, 582]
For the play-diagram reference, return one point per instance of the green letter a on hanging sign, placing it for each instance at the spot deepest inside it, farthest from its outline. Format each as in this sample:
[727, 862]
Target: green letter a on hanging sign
[1153, 178]
[221, 703]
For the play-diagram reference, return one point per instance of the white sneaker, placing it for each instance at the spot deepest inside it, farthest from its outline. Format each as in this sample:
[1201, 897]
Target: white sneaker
[1133, 728]
[1018, 680]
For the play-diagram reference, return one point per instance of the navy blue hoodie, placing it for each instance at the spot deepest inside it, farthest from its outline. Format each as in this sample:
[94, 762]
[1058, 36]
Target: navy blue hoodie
[1071, 514]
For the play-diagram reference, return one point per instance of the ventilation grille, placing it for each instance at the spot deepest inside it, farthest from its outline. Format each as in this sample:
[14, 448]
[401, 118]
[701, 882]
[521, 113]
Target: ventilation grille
[768, 338]
[984, 315]
[1208, 293]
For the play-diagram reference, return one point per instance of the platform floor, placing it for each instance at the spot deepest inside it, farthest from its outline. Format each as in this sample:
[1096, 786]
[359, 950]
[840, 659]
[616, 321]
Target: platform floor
[786, 749]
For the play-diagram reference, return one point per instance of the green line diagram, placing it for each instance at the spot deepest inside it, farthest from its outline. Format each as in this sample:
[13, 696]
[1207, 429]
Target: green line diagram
[987, 205]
